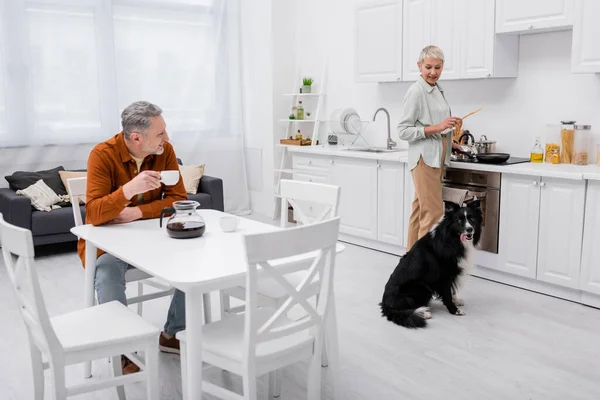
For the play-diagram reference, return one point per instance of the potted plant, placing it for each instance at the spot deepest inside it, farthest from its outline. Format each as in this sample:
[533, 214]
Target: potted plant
[306, 84]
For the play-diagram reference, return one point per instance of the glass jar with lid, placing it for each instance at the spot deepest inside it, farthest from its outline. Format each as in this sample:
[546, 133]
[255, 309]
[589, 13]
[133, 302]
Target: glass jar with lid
[582, 145]
[552, 143]
[567, 136]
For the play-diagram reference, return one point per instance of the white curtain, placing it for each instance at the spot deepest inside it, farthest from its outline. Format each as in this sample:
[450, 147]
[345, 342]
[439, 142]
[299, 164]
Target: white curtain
[69, 67]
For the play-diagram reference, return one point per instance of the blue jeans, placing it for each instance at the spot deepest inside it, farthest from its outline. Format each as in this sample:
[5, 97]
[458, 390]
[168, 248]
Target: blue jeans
[110, 285]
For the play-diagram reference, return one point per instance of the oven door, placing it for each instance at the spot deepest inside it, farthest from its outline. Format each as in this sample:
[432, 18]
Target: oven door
[490, 204]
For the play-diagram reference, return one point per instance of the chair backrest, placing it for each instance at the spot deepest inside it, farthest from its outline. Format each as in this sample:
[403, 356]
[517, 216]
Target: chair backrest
[274, 254]
[77, 188]
[18, 253]
[300, 195]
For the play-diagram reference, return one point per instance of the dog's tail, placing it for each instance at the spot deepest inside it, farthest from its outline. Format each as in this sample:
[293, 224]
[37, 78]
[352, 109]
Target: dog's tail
[415, 318]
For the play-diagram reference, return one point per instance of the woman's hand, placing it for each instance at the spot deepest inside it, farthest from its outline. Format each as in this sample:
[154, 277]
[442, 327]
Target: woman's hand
[448, 123]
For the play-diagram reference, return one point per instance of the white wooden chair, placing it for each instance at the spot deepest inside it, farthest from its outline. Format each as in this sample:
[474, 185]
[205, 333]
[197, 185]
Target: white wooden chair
[77, 189]
[263, 340]
[323, 201]
[108, 330]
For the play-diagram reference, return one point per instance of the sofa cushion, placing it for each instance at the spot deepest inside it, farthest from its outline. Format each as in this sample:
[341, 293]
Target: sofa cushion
[41, 196]
[23, 179]
[56, 221]
[191, 175]
[204, 199]
[66, 175]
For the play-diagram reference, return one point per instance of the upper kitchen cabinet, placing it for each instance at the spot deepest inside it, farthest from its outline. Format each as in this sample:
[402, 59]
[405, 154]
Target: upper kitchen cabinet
[378, 41]
[464, 30]
[416, 24]
[585, 56]
[518, 16]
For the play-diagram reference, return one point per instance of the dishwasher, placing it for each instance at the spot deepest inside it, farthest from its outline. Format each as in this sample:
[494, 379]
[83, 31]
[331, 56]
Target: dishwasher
[483, 186]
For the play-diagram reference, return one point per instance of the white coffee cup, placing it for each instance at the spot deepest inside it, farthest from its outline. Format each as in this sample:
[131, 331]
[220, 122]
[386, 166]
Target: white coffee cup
[229, 223]
[169, 178]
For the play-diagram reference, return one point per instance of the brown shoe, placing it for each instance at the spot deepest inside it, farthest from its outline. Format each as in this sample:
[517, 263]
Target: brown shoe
[168, 345]
[128, 366]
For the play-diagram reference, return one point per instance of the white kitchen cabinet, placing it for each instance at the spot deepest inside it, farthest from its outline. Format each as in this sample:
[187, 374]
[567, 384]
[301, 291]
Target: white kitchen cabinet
[541, 225]
[590, 255]
[446, 34]
[358, 200]
[416, 35]
[464, 30]
[390, 202]
[409, 196]
[518, 16]
[561, 231]
[585, 54]
[378, 41]
[519, 217]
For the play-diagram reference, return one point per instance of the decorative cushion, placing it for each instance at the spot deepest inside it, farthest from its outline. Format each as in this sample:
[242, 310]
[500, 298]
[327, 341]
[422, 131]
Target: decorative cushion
[22, 179]
[42, 197]
[66, 175]
[191, 175]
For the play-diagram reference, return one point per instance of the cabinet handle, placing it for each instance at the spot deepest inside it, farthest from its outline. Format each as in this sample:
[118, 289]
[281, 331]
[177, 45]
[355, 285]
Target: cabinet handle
[310, 180]
[535, 183]
[530, 26]
[310, 161]
[331, 162]
[542, 184]
[378, 165]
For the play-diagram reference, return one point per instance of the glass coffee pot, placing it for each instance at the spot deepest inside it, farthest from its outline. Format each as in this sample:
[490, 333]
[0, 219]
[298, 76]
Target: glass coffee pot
[185, 223]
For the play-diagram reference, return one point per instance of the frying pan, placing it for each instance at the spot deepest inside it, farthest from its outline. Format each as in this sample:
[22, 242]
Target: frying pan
[493, 158]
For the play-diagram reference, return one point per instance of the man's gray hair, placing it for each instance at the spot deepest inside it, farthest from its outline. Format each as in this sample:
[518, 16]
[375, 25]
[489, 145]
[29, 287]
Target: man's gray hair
[431, 52]
[137, 116]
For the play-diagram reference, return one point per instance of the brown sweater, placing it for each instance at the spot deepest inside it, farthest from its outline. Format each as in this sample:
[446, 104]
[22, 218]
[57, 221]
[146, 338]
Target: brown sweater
[110, 166]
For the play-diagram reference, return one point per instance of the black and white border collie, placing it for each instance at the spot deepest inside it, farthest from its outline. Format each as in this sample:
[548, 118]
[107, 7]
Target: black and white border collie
[433, 267]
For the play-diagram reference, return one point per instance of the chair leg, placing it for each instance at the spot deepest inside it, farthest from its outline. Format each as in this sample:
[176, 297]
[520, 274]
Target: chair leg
[324, 358]
[152, 385]
[249, 384]
[225, 305]
[118, 371]
[38, 372]
[140, 305]
[314, 374]
[58, 378]
[275, 384]
[183, 361]
[206, 302]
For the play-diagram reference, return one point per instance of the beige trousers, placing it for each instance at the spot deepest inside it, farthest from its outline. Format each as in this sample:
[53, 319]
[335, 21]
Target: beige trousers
[428, 206]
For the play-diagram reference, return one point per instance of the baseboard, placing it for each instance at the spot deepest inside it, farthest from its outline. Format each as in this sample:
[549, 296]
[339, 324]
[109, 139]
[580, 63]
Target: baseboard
[372, 244]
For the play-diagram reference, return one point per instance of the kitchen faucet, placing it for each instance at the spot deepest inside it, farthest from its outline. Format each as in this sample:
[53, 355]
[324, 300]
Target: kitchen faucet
[390, 142]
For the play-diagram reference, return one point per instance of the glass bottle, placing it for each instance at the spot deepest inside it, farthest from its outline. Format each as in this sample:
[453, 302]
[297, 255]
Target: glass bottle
[537, 152]
[300, 111]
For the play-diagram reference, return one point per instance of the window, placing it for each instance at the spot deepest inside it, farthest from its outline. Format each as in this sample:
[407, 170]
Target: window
[64, 70]
[166, 57]
[80, 63]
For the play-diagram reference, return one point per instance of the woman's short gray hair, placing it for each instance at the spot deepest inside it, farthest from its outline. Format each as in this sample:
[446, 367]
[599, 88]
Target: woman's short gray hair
[137, 116]
[431, 52]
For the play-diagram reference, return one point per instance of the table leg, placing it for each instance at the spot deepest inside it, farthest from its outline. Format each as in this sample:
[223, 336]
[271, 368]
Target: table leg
[88, 291]
[193, 321]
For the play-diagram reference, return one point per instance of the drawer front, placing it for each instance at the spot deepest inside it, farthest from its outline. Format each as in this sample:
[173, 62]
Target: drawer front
[311, 163]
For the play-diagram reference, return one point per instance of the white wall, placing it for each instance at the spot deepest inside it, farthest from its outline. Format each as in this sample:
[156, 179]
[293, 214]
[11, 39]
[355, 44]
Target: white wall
[516, 110]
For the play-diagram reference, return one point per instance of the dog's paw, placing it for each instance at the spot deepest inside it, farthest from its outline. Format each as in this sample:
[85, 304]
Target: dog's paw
[459, 312]
[458, 302]
[427, 315]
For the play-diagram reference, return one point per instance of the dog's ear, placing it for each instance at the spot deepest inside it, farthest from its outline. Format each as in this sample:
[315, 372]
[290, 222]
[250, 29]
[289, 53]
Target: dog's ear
[450, 207]
[475, 204]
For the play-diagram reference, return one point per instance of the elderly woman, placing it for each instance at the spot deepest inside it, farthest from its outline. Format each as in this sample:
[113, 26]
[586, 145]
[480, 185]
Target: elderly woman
[427, 125]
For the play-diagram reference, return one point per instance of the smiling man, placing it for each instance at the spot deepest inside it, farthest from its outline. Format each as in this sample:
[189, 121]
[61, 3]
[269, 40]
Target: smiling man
[123, 185]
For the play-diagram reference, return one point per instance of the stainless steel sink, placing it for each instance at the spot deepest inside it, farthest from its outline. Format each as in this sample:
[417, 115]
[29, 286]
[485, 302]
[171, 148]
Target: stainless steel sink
[377, 150]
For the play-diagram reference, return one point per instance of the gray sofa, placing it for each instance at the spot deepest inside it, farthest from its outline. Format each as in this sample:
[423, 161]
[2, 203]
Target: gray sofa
[55, 226]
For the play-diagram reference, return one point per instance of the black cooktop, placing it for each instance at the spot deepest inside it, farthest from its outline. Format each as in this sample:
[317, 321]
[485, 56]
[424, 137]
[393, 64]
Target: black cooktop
[510, 161]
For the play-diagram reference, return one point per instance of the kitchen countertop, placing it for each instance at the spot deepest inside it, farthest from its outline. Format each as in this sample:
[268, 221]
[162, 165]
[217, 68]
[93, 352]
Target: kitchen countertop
[563, 171]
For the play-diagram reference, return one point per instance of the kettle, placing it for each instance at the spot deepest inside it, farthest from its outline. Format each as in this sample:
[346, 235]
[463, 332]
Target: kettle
[468, 148]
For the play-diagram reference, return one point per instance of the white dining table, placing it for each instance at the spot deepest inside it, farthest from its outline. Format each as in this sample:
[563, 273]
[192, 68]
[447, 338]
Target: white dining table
[197, 266]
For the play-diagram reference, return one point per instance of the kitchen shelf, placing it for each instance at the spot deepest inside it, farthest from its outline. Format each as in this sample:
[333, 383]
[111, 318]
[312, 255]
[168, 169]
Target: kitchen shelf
[297, 120]
[302, 94]
[285, 171]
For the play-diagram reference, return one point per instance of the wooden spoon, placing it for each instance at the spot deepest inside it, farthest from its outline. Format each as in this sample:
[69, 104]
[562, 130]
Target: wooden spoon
[472, 112]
